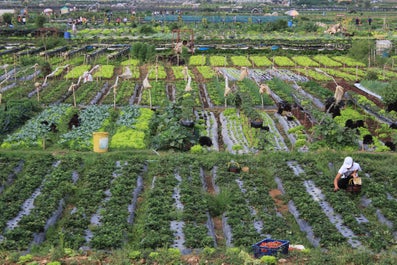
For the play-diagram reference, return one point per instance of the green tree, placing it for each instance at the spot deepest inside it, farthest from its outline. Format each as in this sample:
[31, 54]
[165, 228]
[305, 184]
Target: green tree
[142, 51]
[279, 25]
[40, 20]
[7, 18]
[389, 95]
[310, 27]
[371, 75]
[360, 50]
[146, 29]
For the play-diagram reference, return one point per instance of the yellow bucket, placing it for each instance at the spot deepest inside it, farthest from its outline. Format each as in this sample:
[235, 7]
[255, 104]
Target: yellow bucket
[101, 142]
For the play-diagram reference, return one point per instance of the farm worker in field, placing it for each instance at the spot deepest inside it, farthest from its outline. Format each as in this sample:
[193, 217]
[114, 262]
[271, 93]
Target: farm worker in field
[347, 172]
[74, 29]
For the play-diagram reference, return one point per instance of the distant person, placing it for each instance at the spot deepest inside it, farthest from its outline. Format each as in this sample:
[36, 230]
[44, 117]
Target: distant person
[74, 28]
[357, 21]
[369, 21]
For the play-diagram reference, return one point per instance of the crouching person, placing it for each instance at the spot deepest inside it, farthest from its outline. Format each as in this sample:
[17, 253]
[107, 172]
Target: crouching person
[347, 177]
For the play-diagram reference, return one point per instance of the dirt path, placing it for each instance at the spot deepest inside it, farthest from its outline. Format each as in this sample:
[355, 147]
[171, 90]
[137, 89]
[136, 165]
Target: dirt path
[217, 220]
[221, 144]
[198, 77]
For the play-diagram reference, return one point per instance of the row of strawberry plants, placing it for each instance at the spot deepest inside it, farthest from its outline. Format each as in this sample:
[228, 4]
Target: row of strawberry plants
[48, 205]
[381, 187]
[247, 191]
[238, 215]
[114, 226]
[92, 182]
[195, 209]
[251, 212]
[18, 91]
[158, 209]
[27, 181]
[10, 167]
[309, 209]
[259, 183]
[361, 219]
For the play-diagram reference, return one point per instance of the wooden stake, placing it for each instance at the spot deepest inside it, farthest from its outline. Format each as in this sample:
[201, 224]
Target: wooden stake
[150, 98]
[74, 97]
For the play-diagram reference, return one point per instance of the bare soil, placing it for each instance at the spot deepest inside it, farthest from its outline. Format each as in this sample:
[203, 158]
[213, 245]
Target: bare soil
[281, 206]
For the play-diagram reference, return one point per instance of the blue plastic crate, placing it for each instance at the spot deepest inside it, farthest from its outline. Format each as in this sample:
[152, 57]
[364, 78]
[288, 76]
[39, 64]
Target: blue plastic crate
[260, 251]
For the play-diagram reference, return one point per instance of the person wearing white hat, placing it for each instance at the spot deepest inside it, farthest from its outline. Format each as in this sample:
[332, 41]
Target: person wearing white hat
[346, 172]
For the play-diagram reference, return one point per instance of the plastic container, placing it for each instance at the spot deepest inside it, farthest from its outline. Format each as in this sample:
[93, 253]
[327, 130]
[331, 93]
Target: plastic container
[101, 142]
[261, 250]
[67, 35]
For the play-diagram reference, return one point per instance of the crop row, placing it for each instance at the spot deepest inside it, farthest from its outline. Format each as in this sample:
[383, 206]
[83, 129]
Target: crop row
[93, 202]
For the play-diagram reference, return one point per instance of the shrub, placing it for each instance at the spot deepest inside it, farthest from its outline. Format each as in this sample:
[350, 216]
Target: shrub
[135, 254]
[25, 258]
[196, 149]
[269, 260]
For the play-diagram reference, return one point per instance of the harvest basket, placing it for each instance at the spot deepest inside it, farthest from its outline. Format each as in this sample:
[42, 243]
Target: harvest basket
[270, 247]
